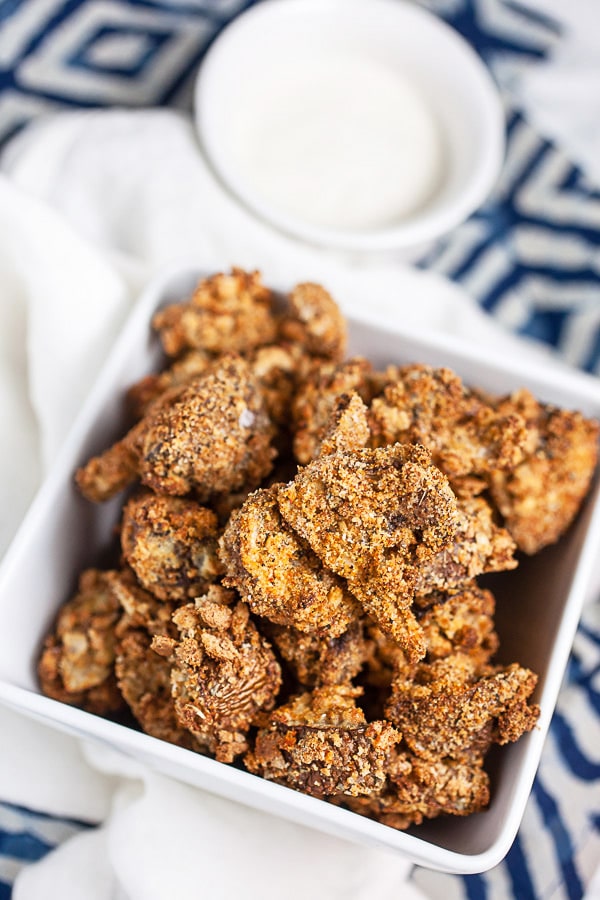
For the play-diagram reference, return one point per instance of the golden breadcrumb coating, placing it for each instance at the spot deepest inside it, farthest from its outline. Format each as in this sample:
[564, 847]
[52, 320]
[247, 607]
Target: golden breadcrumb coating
[316, 400]
[223, 674]
[108, 474]
[318, 661]
[78, 658]
[351, 506]
[348, 427]
[370, 515]
[467, 437]
[459, 621]
[209, 436]
[424, 788]
[277, 573]
[478, 546]
[225, 313]
[540, 497]
[452, 707]
[215, 437]
[144, 676]
[171, 545]
[314, 320]
[321, 743]
[143, 393]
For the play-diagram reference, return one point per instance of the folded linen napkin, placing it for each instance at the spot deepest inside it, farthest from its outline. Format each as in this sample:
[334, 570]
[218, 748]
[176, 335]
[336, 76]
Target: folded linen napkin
[93, 204]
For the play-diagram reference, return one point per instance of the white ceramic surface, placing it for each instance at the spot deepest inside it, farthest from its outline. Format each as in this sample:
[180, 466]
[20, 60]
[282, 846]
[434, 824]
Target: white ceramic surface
[538, 604]
[252, 50]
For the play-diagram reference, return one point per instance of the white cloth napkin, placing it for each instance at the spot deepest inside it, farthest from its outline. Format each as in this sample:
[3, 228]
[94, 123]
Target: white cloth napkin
[91, 205]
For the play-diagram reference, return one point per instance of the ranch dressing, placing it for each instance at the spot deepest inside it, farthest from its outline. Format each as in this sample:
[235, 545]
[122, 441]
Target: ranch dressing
[347, 143]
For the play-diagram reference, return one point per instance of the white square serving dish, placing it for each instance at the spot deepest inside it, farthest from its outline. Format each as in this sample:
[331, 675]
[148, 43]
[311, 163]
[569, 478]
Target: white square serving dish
[538, 605]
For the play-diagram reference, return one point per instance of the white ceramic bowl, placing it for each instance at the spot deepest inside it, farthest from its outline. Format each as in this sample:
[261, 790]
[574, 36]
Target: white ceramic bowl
[538, 605]
[253, 55]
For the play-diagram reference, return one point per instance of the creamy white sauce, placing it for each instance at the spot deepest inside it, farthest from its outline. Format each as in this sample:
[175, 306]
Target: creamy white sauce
[346, 143]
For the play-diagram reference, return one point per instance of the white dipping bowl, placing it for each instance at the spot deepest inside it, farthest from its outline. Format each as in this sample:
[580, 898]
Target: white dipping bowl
[256, 52]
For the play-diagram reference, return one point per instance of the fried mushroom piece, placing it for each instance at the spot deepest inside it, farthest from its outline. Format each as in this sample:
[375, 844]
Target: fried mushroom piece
[171, 545]
[224, 672]
[385, 656]
[277, 573]
[77, 661]
[145, 392]
[460, 621]
[225, 313]
[143, 675]
[478, 546]
[314, 320]
[320, 743]
[210, 436]
[319, 661]
[540, 497]
[467, 437]
[316, 400]
[452, 707]
[418, 789]
[373, 516]
[348, 427]
[110, 473]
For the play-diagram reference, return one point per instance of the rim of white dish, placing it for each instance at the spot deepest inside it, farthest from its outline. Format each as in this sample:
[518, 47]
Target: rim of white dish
[429, 224]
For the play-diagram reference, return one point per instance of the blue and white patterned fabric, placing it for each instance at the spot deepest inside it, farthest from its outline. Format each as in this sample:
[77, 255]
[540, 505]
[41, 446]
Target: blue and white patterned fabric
[530, 256]
[26, 836]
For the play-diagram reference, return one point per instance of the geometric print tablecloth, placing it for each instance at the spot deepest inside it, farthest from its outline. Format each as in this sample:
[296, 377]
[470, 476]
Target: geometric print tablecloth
[530, 257]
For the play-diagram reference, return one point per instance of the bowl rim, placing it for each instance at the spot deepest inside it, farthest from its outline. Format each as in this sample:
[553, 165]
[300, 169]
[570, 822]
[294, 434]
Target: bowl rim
[427, 224]
[227, 780]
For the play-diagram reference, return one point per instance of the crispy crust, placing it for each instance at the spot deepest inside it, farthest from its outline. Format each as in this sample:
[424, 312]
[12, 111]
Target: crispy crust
[451, 707]
[321, 744]
[372, 516]
[277, 573]
[320, 661]
[314, 321]
[78, 657]
[171, 545]
[420, 788]
[225, 313]
[540, 497]
[466, 436]
[224, 672]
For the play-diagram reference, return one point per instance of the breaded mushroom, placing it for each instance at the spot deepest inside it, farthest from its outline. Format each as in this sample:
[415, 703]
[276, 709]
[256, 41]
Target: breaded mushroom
[171, 545]
[210, 436]
[318, 661]
[77, 664]
[225, 313]
[143, 674]
[313, 319]
[452, 707]
[224, 672]
[321, 743]
[466, 436]
[540, 497]
[478, 546]
[423, 788]
[277, 573]
[458, 621]
[372, 516]
[316, 401]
